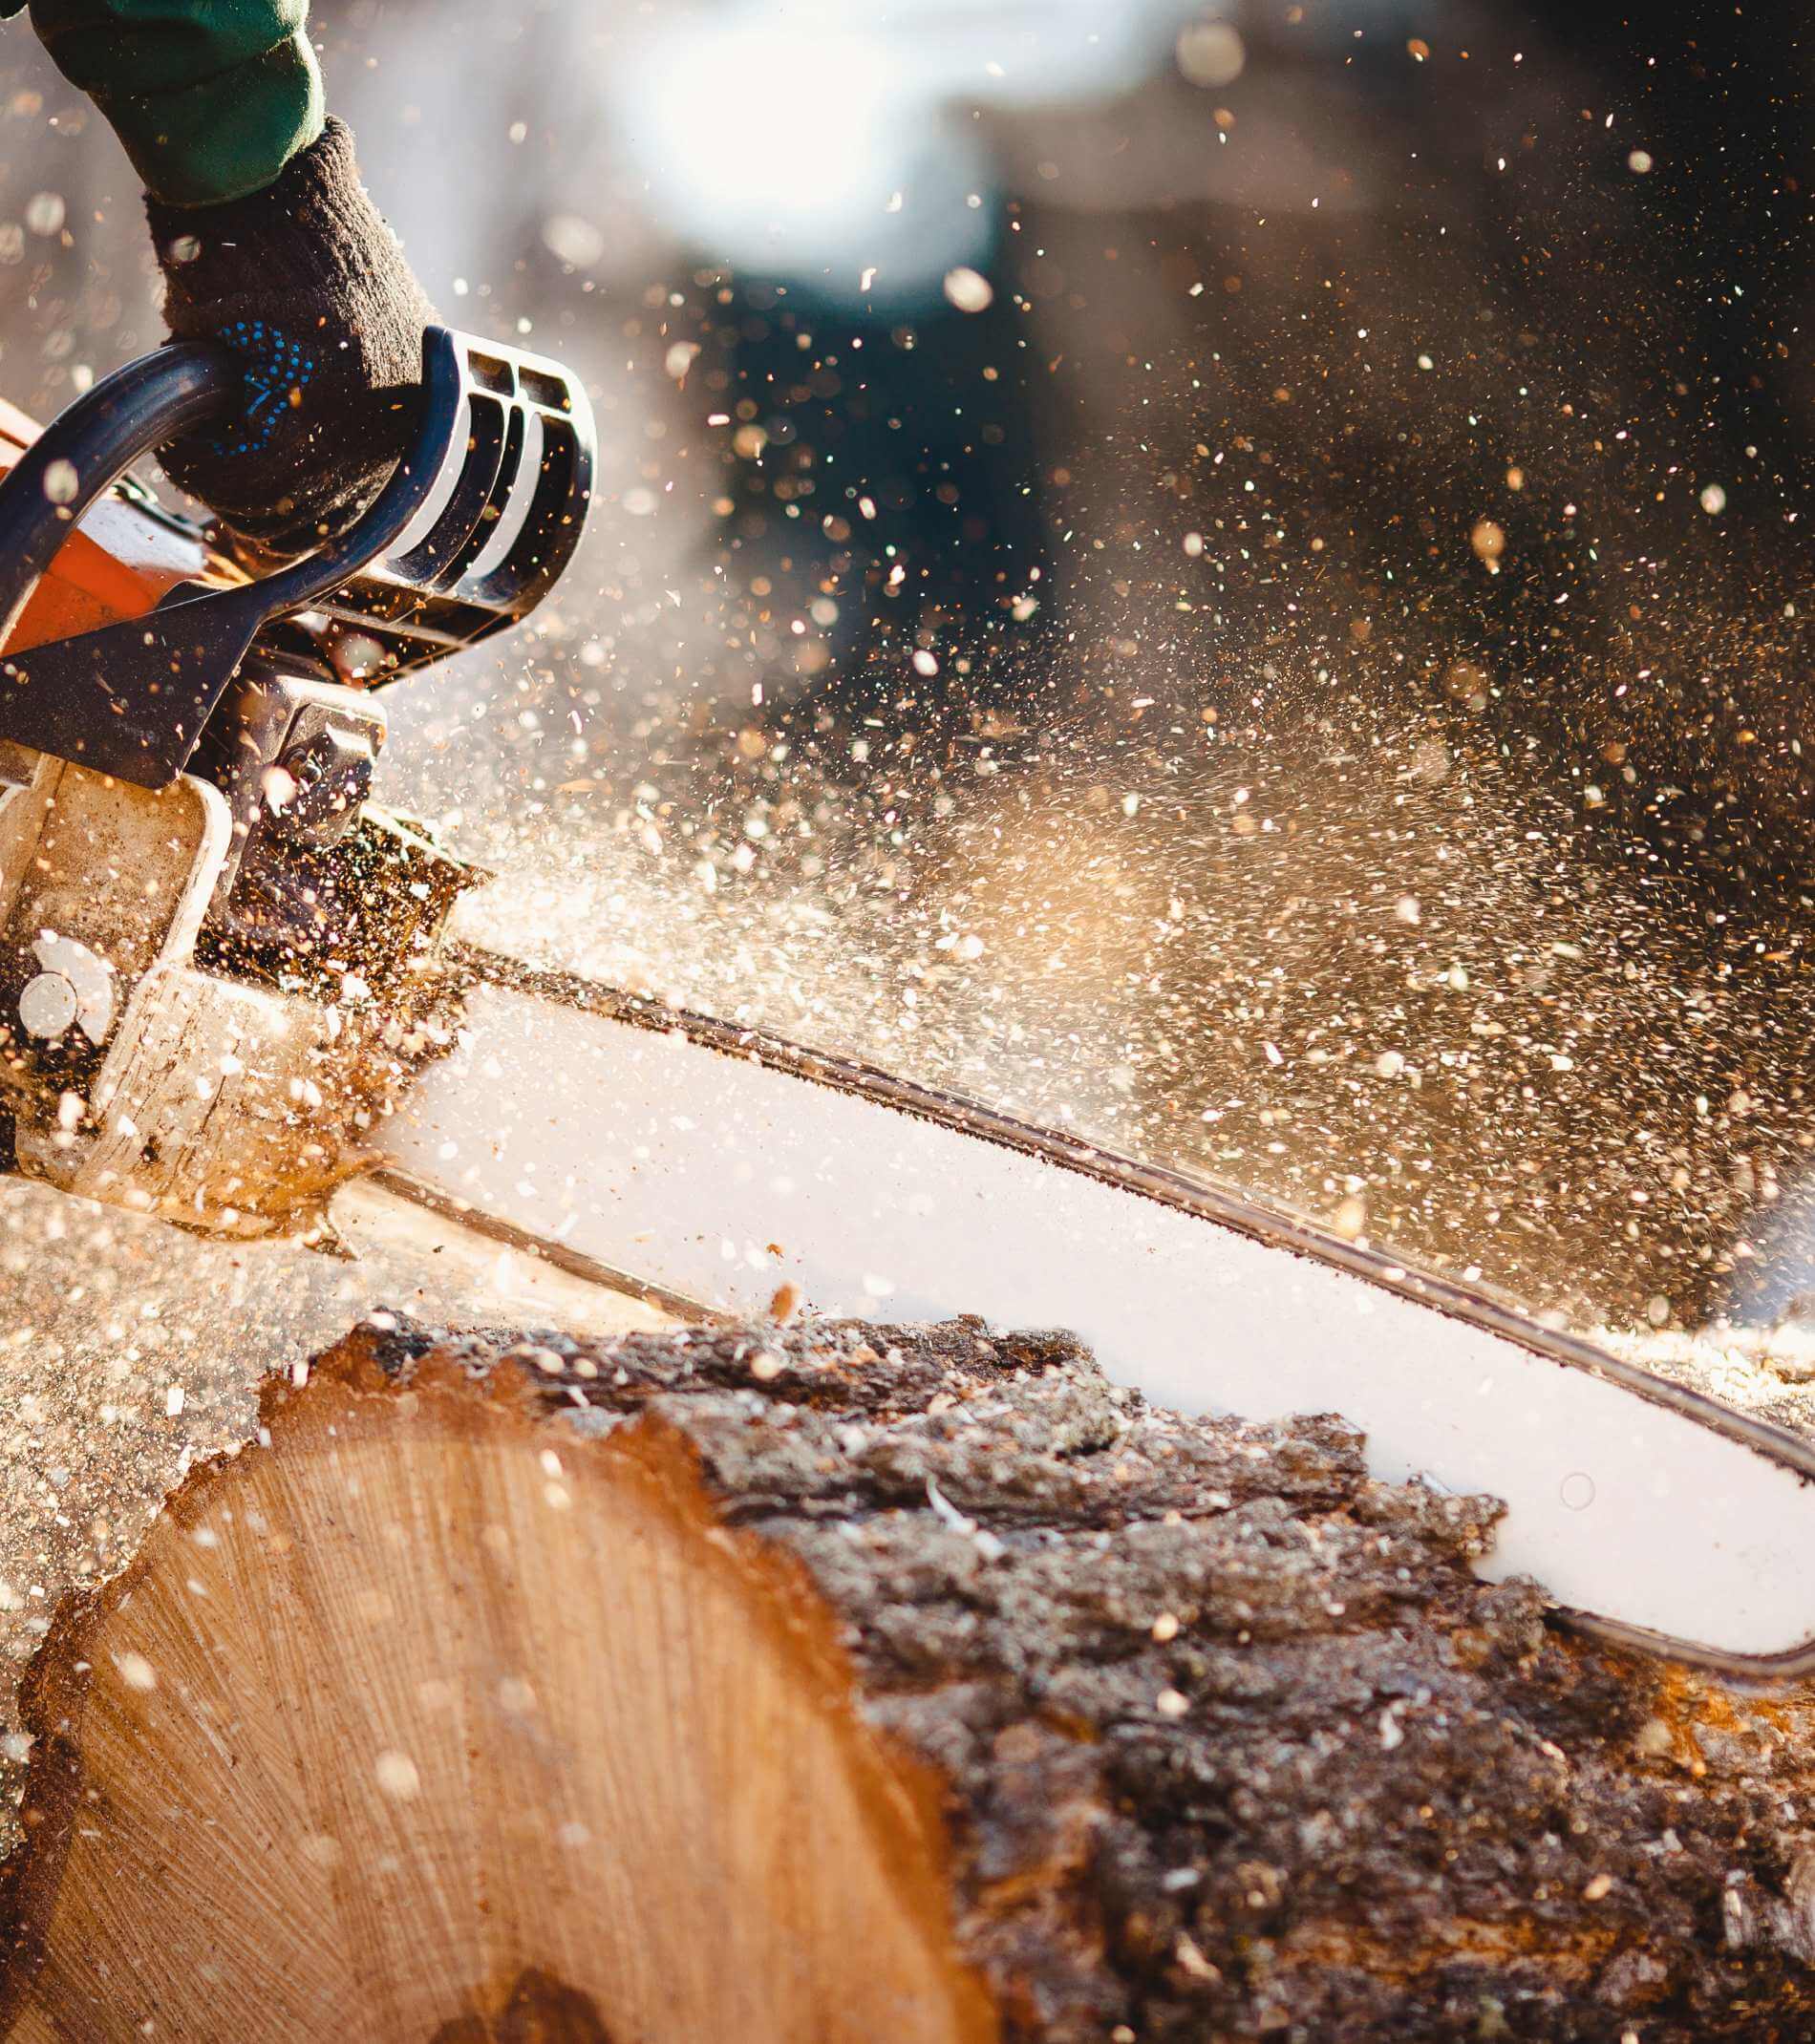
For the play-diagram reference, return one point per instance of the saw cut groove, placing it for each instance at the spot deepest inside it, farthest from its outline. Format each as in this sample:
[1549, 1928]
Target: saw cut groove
[830, 1683]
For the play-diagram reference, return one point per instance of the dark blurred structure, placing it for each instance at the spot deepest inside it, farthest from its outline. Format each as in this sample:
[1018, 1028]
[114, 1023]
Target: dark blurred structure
[937, 541]
[837, 162]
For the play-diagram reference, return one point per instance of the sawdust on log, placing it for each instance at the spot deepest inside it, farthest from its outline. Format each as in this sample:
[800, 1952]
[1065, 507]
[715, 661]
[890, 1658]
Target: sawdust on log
[1235, 1743]
[1238, 1722]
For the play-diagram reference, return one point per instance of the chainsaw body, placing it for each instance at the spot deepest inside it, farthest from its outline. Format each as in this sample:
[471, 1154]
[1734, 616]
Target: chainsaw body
[220, 957]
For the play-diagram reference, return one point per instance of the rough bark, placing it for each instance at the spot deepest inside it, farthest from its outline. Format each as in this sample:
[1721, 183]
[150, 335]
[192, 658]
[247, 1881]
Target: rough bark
[1118, 1726]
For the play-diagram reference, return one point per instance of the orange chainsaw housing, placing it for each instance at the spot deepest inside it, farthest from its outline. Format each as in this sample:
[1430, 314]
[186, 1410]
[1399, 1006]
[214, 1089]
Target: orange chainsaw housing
[120, 562]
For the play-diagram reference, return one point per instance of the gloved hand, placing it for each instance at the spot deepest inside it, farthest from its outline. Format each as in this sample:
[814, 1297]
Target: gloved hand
[306, 283]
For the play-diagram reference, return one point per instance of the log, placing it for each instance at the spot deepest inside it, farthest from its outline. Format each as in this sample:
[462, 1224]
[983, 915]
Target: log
[839, 1684]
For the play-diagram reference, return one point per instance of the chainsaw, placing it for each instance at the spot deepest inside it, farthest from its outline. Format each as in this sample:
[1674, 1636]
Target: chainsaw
[229, 983]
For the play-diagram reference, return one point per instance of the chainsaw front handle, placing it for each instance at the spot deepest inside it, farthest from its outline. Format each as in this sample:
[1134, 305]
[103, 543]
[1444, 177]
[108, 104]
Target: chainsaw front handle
[81, 456]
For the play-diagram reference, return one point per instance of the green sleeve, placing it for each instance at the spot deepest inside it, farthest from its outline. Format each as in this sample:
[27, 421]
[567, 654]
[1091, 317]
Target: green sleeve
[210, 97]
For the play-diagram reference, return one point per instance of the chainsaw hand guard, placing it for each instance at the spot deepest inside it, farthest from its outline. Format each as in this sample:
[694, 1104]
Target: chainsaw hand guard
[472, 528]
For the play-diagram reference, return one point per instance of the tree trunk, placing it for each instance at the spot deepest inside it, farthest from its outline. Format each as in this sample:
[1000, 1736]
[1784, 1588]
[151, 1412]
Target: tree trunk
[866, 1687]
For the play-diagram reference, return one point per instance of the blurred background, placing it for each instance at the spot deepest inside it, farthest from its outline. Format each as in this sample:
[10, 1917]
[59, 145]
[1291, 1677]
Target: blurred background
[1228, 577]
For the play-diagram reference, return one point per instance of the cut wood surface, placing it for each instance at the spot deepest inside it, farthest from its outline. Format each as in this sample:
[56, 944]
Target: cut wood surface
[838, 1683]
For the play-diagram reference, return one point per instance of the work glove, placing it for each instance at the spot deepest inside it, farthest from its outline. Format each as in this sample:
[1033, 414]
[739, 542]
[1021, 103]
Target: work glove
[306, 283]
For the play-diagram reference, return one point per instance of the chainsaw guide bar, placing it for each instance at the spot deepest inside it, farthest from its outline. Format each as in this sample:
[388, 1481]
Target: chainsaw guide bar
[708, 1166]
